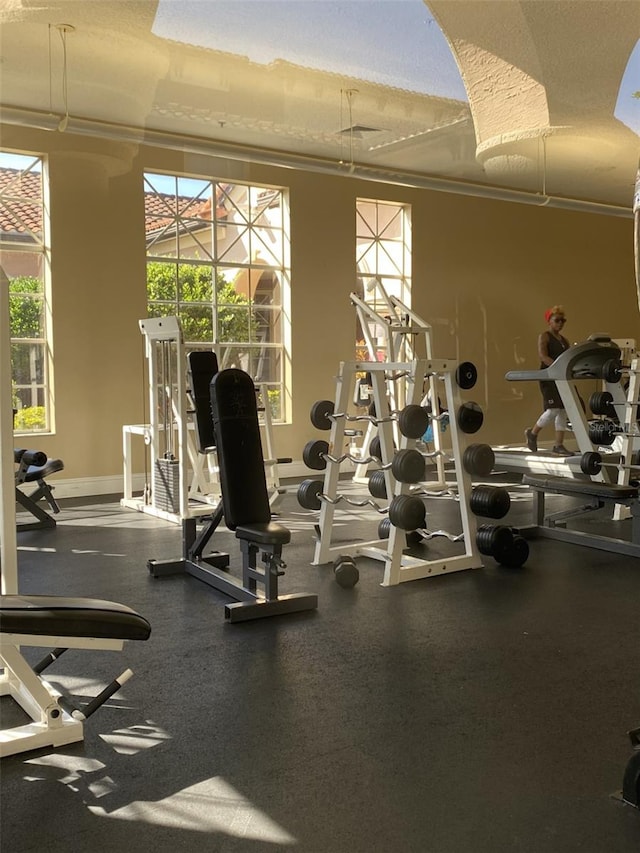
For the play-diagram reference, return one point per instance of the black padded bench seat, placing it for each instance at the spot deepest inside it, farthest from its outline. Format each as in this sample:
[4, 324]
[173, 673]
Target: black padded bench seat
[595, 496]
[40, 472]
[49, 615]
[567, 486]
[266, 533]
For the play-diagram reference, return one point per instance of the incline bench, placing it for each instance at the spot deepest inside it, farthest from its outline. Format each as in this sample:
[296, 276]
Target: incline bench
[34, 467]
[61, 624]
[597, 496]
[233, 415]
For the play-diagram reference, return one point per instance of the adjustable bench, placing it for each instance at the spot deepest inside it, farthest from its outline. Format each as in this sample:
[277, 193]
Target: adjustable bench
[246, 510]
[597, 495]
[34, 467]
[61, 624]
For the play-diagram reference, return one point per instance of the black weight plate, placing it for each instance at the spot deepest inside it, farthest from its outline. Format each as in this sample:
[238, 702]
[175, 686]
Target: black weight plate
[466, 375]
[384, 529]
[413, 421]
[313, 454]
[377, 485]
[600, 403]
[479, 459]
[493, 539]
[470, 417]
[590, 462]
[320, 414]
[408, 466]
[611, 370]
[308, 494]
[490, 501]
[407, 512]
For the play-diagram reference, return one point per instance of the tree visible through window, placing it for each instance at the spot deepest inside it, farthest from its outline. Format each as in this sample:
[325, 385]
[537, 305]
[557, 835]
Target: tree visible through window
[218, 258]
[23, 268]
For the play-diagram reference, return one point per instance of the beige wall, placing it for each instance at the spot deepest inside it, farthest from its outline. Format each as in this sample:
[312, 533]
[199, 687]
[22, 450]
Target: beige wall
[483, 274]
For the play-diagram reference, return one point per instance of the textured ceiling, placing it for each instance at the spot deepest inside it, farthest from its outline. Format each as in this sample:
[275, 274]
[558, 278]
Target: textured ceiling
[527, 96]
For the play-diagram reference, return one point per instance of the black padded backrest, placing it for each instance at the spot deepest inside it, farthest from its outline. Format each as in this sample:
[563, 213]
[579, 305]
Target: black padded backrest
[242, 479]
[202, 367]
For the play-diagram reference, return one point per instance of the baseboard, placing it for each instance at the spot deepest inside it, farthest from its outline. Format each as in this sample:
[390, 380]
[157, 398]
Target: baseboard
[82, 487]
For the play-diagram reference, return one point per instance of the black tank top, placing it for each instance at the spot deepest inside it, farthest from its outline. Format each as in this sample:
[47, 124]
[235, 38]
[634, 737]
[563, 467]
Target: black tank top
[555, 347]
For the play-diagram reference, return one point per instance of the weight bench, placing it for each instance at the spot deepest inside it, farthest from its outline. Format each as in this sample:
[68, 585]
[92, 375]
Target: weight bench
[61, 624]
[34, 467]
[597, 495]
[245, 509]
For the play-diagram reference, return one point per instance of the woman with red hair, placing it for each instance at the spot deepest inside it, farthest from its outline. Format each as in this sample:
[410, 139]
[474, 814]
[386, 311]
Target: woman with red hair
[550, 345]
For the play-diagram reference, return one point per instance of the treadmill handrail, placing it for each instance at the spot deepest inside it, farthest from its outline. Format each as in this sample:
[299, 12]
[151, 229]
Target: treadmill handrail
[581, 361]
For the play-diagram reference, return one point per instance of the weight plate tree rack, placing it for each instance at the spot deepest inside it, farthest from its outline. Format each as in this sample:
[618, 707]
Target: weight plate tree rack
[404, 332]
[398, 566]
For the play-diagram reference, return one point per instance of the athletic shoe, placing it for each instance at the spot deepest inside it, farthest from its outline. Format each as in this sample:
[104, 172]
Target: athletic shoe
[561, 450]
[532, 441]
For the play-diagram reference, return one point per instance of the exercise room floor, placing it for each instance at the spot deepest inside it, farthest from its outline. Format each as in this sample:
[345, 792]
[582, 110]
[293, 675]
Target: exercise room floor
[484, 711]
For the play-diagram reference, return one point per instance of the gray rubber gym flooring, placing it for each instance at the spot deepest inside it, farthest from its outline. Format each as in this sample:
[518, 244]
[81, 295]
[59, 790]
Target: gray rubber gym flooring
[479, 712]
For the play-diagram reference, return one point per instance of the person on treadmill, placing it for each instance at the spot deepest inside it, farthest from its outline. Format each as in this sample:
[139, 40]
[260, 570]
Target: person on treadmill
[551, 344]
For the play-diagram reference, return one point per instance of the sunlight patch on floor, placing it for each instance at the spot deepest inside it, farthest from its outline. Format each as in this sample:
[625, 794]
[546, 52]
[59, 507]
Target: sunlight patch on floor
[209, 806]
[134, 739]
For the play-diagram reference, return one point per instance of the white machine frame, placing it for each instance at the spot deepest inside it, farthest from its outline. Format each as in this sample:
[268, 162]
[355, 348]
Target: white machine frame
[199, 485]
[51, 724]
[401, 328]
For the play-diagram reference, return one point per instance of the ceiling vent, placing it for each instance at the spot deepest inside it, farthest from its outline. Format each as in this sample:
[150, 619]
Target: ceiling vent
[359, 131]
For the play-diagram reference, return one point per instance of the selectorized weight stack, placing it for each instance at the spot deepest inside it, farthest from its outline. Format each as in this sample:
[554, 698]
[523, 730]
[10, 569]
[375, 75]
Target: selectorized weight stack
[185, 480]
[401, 470]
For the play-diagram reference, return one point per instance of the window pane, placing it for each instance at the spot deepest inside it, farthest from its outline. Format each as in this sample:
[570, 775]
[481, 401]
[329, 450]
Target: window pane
[29, 393]
[265, 364]
[195, 283]
[195, 239]
[383, 258]
[235, 247]
[197, 322]
[230, 235]
[274, 398]
[21, 199]
[234, 357]
[233, 323]
[22, 262]
[266, 325]
[162, 281]
[26, 311]
[161, 236]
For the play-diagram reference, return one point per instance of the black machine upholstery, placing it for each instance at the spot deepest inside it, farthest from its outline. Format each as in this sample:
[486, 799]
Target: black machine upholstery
[43, 615]
[242, 478]
[202, 366]
[567, 486]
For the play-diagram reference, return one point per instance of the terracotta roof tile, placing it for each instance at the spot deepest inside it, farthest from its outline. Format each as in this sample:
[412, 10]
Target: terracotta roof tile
[21, 205]
[21, 209]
